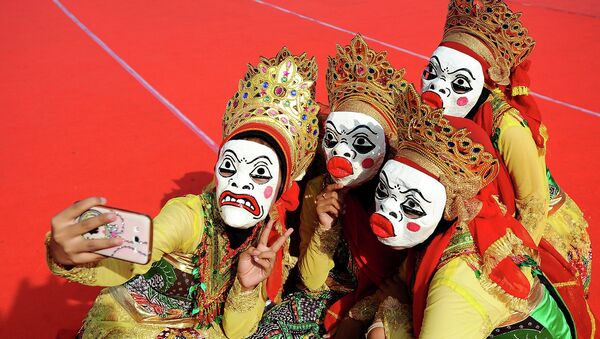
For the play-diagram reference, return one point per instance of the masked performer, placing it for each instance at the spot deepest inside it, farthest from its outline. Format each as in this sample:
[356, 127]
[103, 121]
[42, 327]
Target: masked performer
[214, 259]
[480, 72]
[339, 255]
[472, 269]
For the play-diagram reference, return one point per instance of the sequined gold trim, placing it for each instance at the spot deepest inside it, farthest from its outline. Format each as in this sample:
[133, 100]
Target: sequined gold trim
[333, 314]
[396, 317]
[508, 245]
[535, 298]
[123, 297]
[566, 230]
[328, 240]
[520, 90]
[362, 80]
[278, 94]
[181, 261]
[532, 213]
[365, 309]
[242, 302]
[592, 320]
[494, 26]
[424, 133]
[83, 274]
[566, 284]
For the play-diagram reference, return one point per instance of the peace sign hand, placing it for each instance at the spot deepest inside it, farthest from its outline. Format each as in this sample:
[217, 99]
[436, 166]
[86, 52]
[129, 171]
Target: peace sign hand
[256, 263]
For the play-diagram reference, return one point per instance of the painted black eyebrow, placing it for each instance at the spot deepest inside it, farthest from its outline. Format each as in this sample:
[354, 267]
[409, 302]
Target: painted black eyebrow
[232, 152]
[437, 63]
[463, 69]
[332, 125]
[387, 181]
[261, 157]
[362, 126]
[417, 191]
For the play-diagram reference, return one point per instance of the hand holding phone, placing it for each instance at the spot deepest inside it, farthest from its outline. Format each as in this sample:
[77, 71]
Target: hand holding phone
[134, 228]
[70, 244]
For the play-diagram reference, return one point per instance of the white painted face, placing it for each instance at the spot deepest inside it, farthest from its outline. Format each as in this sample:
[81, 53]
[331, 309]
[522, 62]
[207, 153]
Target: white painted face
[456, 77]
[248, 179]
[409, 204]
[354, 145]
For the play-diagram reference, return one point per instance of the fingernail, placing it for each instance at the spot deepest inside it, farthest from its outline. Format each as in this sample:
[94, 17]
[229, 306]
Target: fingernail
[102, 200]
[118, 241]
[111, 216]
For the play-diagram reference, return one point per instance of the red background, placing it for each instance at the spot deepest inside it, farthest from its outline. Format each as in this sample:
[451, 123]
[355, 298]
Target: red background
[75, 124]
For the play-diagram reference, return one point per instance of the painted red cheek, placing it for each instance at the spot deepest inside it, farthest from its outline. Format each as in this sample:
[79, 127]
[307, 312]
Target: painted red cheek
[462, 101]
[368, 163]
[268, 192]
[411, 226]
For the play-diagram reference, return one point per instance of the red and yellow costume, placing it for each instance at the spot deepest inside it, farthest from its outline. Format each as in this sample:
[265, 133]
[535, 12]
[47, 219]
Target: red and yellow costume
[189, 288]
[480, 276]
[491, 33]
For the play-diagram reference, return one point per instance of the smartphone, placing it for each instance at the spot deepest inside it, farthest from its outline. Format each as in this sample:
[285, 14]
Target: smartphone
[134, 228]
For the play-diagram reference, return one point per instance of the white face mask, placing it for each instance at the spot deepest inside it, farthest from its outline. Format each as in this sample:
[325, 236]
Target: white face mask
[456, 77]
[354, 145]
[247, 182]
[409, 204]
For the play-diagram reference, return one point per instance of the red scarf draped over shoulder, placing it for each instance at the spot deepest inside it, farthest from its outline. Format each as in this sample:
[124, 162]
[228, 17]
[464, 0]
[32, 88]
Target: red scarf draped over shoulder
[488, 226]
[287, 202]
[374, 260]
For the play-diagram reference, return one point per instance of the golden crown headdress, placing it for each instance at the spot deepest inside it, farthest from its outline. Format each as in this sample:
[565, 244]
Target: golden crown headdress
[506, 43]
[277, 97]
[359, 74]
[428, 138]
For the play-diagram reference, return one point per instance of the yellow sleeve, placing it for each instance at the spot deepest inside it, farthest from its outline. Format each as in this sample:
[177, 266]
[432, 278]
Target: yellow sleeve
[178, 227]
[527, 168]
[458, 307]
[243, 310]
[396, 318]
[316, 247]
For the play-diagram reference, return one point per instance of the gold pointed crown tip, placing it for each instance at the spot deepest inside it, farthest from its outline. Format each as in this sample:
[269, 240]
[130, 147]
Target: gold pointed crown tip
[358, 73]
[494, 24]
[278, 95]
[426, 136]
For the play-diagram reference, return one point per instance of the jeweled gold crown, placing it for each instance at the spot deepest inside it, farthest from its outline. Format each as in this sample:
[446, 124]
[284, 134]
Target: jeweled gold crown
[277, 97]
[359, 74]
[507, 42]
[426, 137]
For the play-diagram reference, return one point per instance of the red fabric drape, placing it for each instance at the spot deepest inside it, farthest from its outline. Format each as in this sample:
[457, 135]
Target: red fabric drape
[287, 202]
[374, 260]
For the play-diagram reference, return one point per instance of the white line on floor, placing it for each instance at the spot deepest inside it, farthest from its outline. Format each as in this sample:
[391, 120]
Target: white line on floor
[404, 50]
[186, 121]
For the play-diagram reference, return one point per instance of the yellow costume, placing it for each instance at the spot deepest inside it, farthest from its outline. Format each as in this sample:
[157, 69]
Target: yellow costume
[189, 288]
[479, 277]
[178, 230]
[493, 36]
[334, 269]
[543, 208]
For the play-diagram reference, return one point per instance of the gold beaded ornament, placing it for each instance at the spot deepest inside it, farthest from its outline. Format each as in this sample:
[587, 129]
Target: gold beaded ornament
[490, 29]
[277, 97]
[428, 138]
[356, 75]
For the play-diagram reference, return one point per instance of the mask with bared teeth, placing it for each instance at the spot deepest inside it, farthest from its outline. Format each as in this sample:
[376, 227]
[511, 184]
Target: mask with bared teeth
[247, 176]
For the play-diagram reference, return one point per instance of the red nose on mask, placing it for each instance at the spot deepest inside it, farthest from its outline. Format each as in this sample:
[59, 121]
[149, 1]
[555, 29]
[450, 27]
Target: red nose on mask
[381, 226]
[432, 99]
[339, 167]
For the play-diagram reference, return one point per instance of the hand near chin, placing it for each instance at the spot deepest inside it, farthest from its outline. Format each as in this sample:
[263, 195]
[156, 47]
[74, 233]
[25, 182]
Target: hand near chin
[329, 205]
[67, 245]
[256, 263]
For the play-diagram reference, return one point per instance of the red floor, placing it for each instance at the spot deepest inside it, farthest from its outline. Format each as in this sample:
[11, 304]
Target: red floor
[76, 124]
